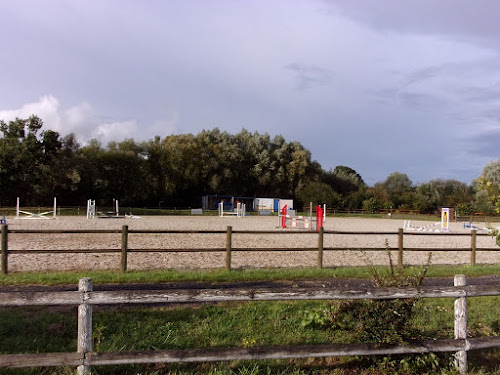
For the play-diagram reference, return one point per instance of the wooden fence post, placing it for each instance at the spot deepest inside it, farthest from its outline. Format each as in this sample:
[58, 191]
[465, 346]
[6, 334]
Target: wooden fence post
[473, 247]
[461, 325]
[320, 247]
[4, 249]
[124, 248]
[229, 234]
[84, 324]
[400, 248]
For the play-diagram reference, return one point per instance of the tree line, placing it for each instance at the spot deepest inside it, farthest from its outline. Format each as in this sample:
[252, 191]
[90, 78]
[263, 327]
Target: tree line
[38, 164]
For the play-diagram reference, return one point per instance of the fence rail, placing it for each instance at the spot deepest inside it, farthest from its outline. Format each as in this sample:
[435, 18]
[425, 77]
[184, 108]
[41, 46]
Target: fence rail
[85, 298]
[125, 232]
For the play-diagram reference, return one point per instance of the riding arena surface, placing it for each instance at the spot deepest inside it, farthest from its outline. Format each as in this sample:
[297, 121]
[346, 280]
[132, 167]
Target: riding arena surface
[240, 259]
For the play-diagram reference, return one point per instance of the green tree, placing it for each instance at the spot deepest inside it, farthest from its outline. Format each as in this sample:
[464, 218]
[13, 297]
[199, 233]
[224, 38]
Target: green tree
[442, 193]
[319, 193]
[348, 183]
[400, 189]
[25, 157]
[489, 183]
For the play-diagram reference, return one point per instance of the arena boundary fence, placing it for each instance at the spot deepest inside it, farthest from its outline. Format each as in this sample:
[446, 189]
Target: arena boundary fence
[319, 248]
[85, 298]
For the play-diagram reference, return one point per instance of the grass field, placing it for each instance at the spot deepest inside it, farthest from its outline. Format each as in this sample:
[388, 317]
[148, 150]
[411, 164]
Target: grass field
[48, 329]
[249, 324]
[213, 276]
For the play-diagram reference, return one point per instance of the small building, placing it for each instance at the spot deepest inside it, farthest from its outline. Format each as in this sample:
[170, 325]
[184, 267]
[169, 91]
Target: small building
[211, 202]
[272, 204]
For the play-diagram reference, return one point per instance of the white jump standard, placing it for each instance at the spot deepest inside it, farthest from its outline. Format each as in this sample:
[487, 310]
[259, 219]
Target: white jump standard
[444, 224]
[90, 209]
[239, 211]
[34, 215]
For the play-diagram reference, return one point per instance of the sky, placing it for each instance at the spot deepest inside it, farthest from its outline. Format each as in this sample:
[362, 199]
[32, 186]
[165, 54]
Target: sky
[381, 86]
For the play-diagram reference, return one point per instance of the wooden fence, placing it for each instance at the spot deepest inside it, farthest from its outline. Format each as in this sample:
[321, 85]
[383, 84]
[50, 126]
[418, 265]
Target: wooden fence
[229, 249]
[85, 298]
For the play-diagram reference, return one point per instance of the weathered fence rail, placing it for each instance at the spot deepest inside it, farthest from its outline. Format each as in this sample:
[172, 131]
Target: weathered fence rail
[85, 298]
[228, 249]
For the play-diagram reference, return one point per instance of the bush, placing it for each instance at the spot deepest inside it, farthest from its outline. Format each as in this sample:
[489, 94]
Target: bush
[464, 209]
[372, 205]
[380, 321]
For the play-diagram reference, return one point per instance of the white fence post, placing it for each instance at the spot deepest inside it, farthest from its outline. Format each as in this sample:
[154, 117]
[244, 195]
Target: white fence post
[461, 325]
[84, 324]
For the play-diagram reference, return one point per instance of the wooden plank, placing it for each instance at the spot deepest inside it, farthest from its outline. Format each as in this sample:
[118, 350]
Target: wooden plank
[65, 251]
[461, 325]
[211, 250]
[281, 231]
[423, 233]
[320, 247]
[276, 352]
[400, 247]
[4, 250]
[219, 295]
[124, 248]
[296, 249]
[360, 233]
[40, 298]
[84, 341]
[239, 249]
[286, 231]
[473, 246]
[174, 231]
[178, 250]
[229, 242]
[64, 231]
[427, 249]
[225, 354]
[41, 360]
[477, 343]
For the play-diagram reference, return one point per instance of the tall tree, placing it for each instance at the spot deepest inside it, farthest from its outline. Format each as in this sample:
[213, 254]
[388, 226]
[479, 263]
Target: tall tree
[489, 182]
[400, 189]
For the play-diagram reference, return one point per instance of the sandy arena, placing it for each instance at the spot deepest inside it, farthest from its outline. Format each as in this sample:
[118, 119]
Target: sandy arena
[213, 260]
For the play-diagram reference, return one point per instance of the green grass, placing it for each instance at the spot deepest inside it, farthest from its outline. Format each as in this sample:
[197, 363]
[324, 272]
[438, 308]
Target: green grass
[105, 277]
[52, 329]
[241, 325]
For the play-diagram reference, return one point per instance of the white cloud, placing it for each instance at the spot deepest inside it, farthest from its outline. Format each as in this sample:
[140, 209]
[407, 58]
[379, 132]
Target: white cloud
[115, 131]
[82, 120]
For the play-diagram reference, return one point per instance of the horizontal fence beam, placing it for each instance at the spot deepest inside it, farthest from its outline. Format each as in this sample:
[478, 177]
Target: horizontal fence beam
[285, 352]
[40, 298]
[240, 249]
[282, 231]
[41, 360]
[231, 354]
[65, 231]
[238, 295]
